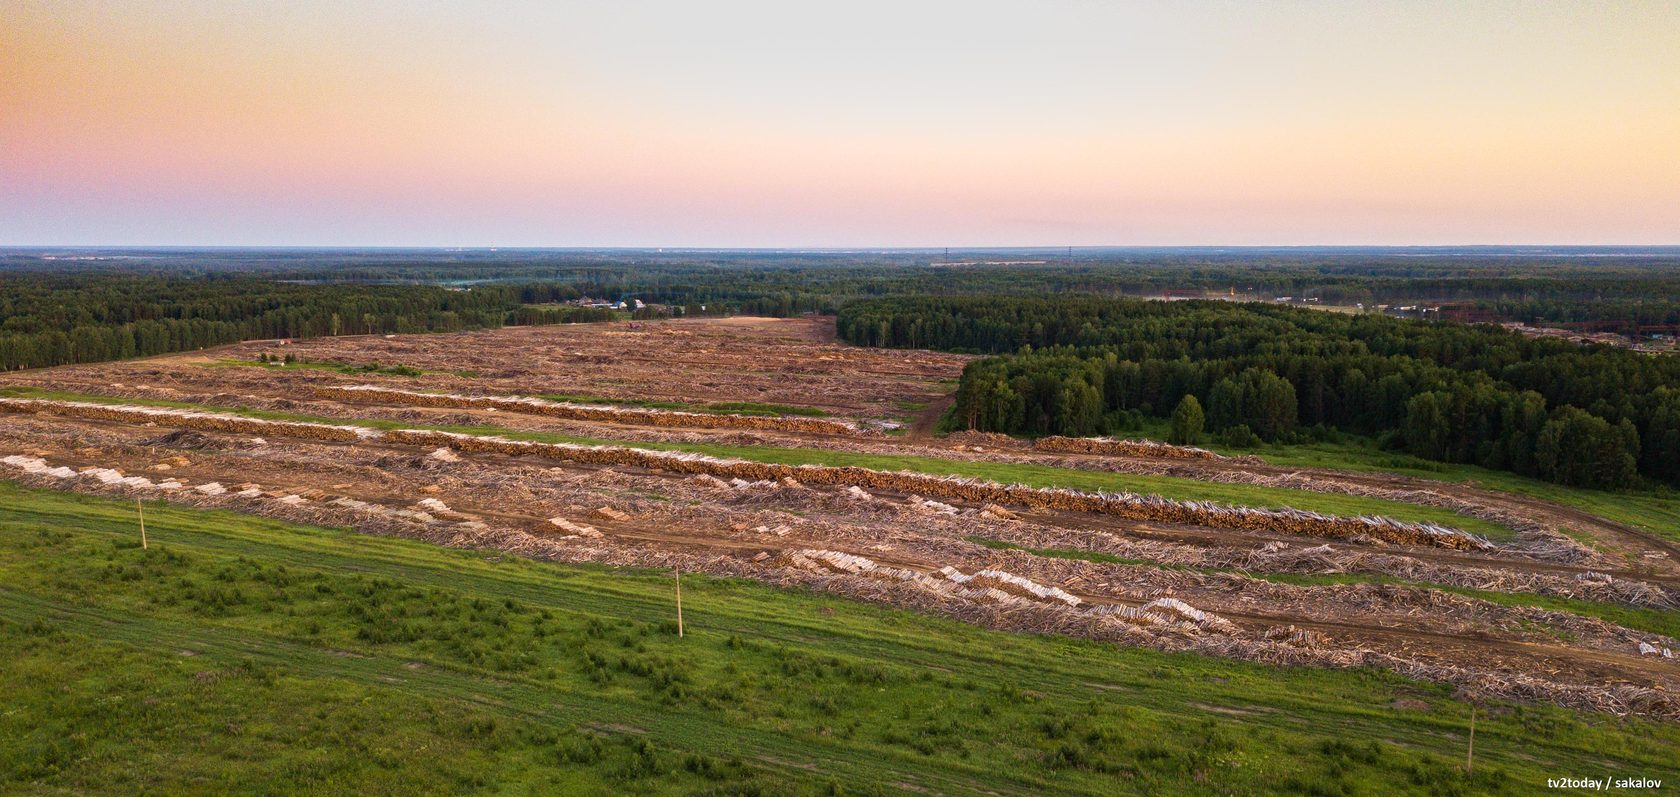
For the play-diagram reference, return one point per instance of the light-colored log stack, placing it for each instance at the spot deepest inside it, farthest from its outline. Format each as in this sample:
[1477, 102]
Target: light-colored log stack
[589, 412]
[1122, 448]
[189, 419]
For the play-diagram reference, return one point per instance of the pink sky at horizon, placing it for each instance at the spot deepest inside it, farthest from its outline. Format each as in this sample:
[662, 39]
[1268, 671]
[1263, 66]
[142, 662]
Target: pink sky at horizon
[858, 124]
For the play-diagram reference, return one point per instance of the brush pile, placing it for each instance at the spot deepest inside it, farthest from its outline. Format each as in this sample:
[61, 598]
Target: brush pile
[186, 439]
[188, 419]
[589, 412]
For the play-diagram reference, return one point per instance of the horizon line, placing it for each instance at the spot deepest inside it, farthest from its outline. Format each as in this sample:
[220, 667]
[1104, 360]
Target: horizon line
[1047, 248]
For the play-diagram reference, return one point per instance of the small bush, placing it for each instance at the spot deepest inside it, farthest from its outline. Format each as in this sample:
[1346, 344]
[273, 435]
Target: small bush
[1239, 436]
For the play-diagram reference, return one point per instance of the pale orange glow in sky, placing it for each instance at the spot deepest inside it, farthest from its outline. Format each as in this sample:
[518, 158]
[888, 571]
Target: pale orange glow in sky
[847, 124]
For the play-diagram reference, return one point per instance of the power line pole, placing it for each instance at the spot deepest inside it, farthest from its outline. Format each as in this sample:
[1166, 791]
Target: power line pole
[1470, 752]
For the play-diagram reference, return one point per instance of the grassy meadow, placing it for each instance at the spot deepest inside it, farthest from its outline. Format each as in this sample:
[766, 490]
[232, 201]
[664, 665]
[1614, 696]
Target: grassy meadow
[238, 654]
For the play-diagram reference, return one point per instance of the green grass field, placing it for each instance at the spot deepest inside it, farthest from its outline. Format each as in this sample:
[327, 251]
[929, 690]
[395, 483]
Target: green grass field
[244, 655]
[1034, 475]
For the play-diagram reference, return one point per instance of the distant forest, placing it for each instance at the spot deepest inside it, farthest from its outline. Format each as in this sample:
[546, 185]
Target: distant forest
[1592, 416]
[1612, 289]
[51, 319]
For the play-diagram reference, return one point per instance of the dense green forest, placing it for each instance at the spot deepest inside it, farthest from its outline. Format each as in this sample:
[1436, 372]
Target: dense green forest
[55, 319]
[1592, 416]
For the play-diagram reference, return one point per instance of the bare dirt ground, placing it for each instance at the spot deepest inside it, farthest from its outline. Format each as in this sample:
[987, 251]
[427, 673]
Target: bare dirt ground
[923, 553]
[790, 361]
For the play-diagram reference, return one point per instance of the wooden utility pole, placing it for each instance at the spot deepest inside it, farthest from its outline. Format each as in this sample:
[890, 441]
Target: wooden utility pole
[679, 604]
[138, 507]
[1470, 754]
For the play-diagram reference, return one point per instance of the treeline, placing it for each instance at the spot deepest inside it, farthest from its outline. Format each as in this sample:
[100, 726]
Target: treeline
[789, 284]
[1623, 315]
[1609, 289]
[1592, 416]
[59, 319]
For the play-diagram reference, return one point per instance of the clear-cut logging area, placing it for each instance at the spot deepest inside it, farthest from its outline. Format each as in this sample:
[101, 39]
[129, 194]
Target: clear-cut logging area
[1268, 585]
[1126, 505]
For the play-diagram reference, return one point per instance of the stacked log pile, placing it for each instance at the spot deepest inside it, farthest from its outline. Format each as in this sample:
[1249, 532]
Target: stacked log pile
[37, 466]
[575, 529]
[982, 440]
[1168, 612]
[1002, 588]
[1122, 448]
[590, 412]
[289, 501]
[1010, 583]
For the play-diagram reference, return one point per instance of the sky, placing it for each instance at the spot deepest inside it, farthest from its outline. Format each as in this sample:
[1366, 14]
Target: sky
[734, 123]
